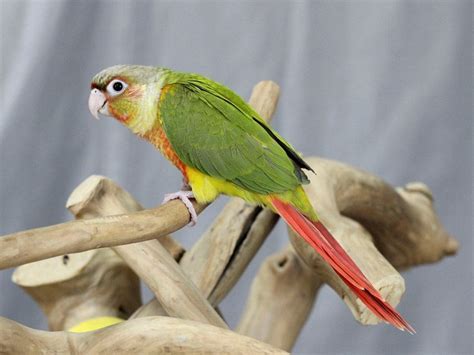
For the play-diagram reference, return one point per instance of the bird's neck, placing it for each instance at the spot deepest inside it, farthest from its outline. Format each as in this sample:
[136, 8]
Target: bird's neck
[145, 118]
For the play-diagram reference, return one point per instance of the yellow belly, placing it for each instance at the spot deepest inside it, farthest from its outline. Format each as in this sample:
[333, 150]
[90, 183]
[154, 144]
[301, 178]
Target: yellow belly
[206, 189]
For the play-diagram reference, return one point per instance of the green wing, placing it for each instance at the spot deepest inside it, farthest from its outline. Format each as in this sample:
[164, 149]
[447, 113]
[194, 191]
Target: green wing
[213, 130]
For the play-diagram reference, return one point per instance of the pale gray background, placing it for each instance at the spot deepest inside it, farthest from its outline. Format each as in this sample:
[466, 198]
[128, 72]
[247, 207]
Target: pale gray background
[385, 86]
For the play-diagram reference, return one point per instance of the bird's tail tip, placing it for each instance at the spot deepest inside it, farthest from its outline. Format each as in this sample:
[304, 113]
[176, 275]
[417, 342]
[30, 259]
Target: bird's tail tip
[317, 235]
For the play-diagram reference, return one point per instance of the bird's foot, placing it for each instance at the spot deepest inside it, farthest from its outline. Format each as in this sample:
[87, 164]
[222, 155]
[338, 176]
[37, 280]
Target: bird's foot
[184, 196]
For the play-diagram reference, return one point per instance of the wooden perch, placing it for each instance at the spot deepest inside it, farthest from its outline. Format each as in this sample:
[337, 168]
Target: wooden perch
[221, 255]
[144, 336]
[380, 227]
[98, 196]
[75, 287]
[241, 224]
[280, 300]
[81, 235]
[41, 243]
[218, 259]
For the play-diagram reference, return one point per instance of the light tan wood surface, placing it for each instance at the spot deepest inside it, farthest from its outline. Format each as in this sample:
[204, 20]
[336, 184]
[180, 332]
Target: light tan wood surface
[151, 335]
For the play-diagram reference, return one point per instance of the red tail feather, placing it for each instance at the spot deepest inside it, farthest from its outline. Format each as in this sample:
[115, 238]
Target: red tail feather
[324, 243]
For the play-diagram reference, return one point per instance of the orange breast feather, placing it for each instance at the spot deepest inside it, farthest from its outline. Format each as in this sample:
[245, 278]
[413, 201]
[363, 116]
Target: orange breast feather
[158, 138]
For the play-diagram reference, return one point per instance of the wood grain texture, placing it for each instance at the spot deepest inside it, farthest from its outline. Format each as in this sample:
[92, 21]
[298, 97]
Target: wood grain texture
[221, 255]
[98, 196]
[280, 300]
[75, 287]
[151, 335]
[81, 235]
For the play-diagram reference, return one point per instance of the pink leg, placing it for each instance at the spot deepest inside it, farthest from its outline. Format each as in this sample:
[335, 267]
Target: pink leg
[184, 196]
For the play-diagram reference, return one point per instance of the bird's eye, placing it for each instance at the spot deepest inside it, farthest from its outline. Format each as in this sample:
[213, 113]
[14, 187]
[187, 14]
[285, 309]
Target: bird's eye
[116, 87]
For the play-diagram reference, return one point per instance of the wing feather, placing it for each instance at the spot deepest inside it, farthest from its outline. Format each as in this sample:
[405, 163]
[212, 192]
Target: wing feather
[212, 134]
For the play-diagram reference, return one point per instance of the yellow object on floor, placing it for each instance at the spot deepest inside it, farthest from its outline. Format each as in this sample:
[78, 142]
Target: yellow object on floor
[94, 324]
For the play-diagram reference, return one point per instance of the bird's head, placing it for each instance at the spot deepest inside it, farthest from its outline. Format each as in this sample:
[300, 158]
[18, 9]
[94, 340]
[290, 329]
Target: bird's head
[125, 92]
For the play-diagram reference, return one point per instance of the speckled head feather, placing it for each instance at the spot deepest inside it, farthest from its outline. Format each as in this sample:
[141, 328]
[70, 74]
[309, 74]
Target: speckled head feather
[134, 73]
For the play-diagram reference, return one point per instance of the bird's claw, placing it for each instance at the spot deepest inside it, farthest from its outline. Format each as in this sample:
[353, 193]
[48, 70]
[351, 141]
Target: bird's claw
[184, 196]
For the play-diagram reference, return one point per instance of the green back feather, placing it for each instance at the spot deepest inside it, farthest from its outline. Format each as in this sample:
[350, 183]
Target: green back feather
[213, 130]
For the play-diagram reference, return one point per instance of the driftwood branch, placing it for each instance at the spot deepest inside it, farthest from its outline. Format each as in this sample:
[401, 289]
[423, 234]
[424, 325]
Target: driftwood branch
[144, 336]
[41, 243]
[98, 196]
[220, 256]
[280, 300]
[81, 235]
[75, 287]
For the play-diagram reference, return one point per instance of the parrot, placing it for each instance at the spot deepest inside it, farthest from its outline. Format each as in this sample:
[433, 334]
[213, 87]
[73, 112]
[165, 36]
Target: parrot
[222, 146]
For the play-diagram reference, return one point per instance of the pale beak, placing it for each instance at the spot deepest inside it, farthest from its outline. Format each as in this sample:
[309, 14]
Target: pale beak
[97, 103]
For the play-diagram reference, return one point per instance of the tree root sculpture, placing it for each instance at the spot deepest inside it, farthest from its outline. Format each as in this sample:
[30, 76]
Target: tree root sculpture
[382, 228]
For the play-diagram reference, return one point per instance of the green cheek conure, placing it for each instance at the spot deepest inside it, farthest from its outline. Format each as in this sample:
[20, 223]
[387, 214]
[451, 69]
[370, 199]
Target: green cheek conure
[222, 146]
